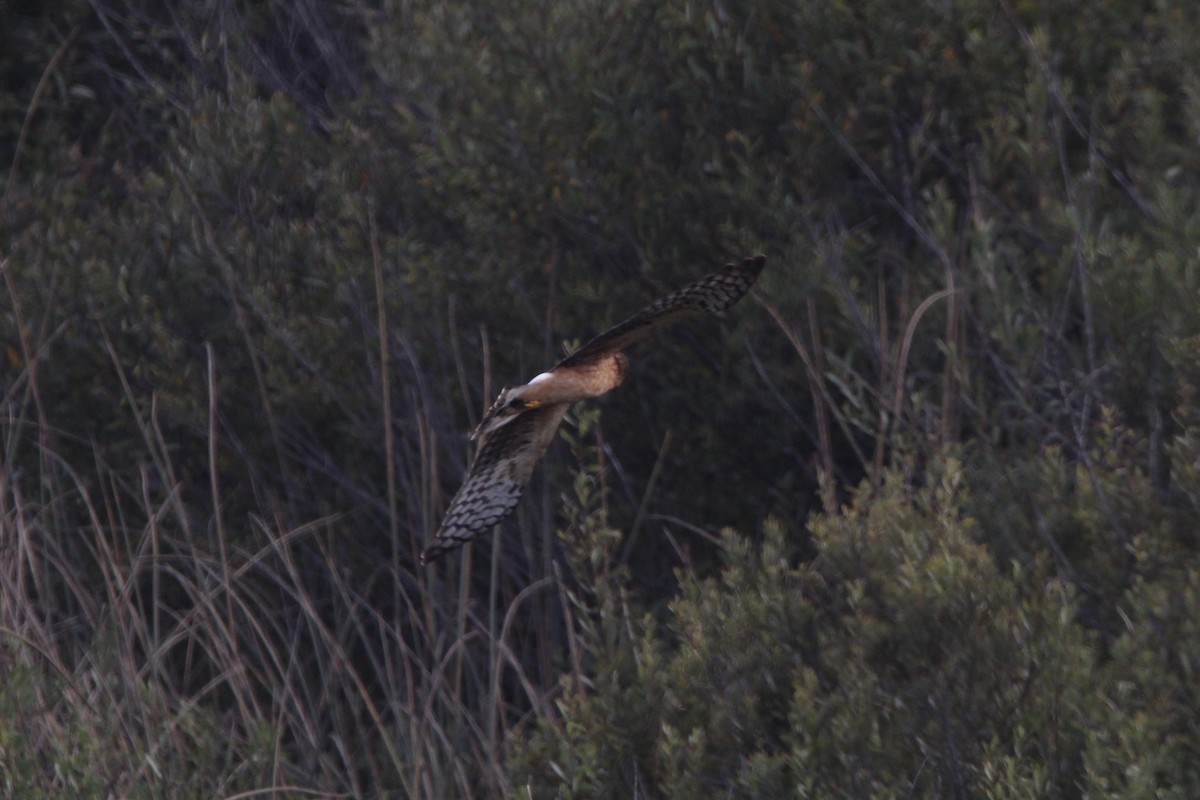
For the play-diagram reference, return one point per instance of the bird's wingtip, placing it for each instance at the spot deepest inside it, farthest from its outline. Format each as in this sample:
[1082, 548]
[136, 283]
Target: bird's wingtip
[430, 553]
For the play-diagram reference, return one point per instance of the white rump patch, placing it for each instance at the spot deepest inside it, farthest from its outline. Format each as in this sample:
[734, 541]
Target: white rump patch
[539, 378]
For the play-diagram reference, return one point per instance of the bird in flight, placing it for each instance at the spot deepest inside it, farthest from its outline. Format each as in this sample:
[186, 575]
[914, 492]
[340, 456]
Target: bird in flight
[519, 426]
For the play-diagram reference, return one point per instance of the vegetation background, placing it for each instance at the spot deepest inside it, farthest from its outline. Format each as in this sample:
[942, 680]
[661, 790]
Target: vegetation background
[917, 520]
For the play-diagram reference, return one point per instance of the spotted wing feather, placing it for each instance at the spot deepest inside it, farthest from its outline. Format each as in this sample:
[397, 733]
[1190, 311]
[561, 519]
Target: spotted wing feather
[497, 478]
[711, 294]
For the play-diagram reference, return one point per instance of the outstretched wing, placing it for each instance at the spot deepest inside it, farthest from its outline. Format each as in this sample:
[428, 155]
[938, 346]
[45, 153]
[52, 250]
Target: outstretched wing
[497, 477]
[711, 294]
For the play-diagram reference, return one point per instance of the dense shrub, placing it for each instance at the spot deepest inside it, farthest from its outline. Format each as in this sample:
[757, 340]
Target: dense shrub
[265, 263]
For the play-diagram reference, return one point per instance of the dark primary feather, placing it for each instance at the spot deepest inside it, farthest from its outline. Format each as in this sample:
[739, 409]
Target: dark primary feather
[711, 294]
[497, 477]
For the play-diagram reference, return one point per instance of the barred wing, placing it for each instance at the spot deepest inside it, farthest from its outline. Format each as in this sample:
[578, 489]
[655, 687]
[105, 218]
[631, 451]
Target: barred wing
[711, 294]
[497, 478]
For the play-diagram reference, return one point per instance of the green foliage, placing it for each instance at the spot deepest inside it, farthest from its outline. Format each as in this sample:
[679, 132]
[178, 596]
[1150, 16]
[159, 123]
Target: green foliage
[903, 660]
[82, 736]
[264, 264]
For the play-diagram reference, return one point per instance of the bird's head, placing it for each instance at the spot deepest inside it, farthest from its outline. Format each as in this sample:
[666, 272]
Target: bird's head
[506, 405]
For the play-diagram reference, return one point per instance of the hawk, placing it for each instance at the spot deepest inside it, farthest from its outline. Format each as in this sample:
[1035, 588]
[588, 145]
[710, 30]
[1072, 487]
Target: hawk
[519, 426]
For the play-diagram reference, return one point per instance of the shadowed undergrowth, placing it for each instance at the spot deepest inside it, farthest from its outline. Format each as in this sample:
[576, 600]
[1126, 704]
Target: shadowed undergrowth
[915, 519]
